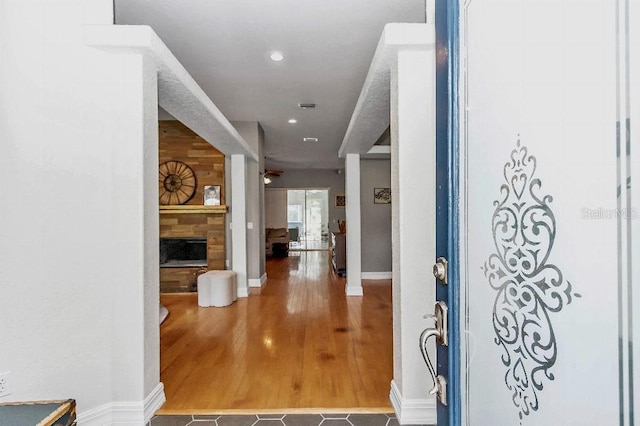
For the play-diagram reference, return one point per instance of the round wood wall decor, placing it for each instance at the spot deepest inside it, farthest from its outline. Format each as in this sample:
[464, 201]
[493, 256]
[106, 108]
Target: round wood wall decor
[177, 183]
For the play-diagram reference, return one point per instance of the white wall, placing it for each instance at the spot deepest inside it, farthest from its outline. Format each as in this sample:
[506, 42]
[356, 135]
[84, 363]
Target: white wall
[413, 228]
[275, 208]
[79, 227]
[239, 220]
[354, 235]
[228, 189]
[375, 219]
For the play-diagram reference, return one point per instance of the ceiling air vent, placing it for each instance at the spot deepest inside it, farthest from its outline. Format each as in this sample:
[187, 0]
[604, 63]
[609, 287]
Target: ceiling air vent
[310, 139]
[307, 106]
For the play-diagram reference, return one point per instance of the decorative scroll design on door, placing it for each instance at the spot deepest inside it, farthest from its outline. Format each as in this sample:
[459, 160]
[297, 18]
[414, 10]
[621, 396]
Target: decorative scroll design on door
[530, 288]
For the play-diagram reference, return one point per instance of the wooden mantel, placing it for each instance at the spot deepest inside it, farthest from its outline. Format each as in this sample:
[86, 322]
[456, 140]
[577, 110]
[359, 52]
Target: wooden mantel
[193, 209]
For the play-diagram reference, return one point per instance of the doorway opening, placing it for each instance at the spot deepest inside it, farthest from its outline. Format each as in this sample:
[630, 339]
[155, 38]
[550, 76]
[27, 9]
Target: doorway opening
[308, 219]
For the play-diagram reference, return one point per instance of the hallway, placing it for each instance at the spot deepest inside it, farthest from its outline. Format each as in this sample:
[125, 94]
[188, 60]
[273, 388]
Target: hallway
[296, 345]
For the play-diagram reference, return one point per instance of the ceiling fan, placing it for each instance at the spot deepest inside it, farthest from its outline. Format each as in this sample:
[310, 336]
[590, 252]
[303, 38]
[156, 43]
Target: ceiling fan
[268, 173]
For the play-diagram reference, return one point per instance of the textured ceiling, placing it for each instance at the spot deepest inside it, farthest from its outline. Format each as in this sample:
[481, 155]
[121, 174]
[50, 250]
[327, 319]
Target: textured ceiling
[327, 46]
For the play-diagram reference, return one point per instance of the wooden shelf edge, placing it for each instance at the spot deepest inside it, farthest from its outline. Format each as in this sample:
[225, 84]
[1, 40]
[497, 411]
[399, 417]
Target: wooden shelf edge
[193, 209]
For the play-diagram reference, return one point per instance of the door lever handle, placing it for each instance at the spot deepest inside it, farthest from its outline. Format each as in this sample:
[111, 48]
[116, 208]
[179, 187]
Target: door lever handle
[424, 337]
[440, 333]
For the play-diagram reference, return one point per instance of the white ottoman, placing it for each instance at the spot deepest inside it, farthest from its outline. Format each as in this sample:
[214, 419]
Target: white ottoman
[217, 288]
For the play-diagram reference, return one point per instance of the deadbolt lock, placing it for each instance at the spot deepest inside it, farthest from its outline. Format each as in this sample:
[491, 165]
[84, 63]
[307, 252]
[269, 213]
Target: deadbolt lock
[440, 270]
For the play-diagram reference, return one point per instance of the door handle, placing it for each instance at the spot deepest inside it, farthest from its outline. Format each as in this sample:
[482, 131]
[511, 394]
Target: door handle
[440, 333]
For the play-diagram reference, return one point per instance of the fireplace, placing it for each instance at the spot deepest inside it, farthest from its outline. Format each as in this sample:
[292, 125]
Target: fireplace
[183, 252]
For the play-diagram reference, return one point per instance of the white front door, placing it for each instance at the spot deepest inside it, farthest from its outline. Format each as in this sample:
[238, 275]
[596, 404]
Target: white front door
[550, 212]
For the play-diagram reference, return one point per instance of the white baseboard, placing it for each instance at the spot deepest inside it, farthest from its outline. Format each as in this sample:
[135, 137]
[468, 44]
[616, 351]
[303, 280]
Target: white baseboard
[353, 290]
[412, 411]
[377, 275]
[125, 413]
[154, 401]
[243, 292]
[258, 282]
[97, 417]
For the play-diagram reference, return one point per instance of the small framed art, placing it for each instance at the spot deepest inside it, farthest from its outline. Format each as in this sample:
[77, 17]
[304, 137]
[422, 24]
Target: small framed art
[212, 195]
[381, 195]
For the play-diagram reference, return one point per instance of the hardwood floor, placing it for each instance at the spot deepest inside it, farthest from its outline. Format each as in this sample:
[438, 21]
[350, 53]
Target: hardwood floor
[295, 345]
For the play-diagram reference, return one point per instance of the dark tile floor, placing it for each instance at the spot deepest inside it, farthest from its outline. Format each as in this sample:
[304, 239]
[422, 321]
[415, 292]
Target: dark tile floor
[279, 420]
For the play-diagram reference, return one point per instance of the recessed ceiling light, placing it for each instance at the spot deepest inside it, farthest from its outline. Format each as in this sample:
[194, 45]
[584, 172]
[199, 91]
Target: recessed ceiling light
[276, 56]
[310, 139]
[292, 121]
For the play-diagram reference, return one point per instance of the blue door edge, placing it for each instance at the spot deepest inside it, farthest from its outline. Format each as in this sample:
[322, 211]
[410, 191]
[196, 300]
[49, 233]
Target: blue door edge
[447, 196]
[455, 361]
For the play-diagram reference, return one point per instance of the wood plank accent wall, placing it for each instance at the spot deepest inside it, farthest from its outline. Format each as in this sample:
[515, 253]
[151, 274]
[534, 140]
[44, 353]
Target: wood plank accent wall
[177, 142]
[178, 280]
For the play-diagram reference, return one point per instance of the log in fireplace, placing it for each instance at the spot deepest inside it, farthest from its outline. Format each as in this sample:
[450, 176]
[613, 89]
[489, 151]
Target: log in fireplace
[183, 252]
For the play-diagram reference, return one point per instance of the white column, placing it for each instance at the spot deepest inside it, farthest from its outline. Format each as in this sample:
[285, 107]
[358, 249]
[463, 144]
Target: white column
[228, 240]
[252, 133]
[413, 230]
[102, 149]
[239, 222]
[253, 224]
[354, 240]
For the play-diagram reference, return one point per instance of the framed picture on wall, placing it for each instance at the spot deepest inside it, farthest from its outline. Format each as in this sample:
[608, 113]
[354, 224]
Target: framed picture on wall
[212, 195]
[341, 201]
[381, 195]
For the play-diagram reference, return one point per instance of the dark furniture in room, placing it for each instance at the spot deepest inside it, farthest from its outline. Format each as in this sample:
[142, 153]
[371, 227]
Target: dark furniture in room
[280, 250]
[277, 240]
[339, 253]
[294, 234]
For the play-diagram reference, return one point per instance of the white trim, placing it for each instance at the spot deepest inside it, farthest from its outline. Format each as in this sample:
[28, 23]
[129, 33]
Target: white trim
[380, 149]
[377, 275]
[371, 115]
[125, 413]
[154, 401]
[353, 290]
[98, 416]
[258, 282]
[187, 102]
[353, 217]
[286, 188]
[239, 242]
[412, 411]
[128, 413]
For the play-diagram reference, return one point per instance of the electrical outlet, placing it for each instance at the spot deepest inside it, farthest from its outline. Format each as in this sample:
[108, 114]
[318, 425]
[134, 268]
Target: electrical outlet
[5, 388]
